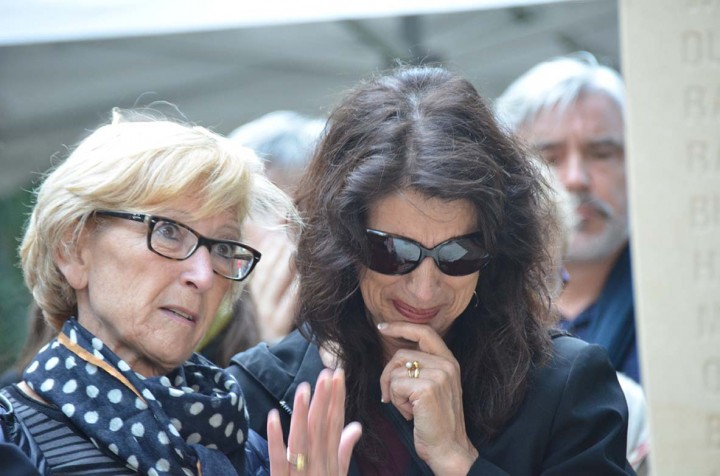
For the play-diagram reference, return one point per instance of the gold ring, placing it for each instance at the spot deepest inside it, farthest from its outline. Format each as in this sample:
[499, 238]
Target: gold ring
[297, 460]
[413, 369]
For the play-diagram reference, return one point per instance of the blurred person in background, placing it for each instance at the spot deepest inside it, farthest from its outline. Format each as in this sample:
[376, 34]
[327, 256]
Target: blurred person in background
[570, 110]
[285, 140]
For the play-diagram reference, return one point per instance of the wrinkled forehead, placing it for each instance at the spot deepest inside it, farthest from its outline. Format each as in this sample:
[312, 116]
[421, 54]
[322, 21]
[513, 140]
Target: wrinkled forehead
[194, 208]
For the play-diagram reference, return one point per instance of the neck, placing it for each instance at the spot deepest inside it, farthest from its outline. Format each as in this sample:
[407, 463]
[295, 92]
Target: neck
[587, 279]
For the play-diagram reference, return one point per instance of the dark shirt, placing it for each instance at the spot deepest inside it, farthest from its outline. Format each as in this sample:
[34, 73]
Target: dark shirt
[67, 450]
[397, 459]
[610, 320]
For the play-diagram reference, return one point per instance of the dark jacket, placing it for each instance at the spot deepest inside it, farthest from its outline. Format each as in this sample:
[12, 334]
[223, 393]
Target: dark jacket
[19, 454]
[572, 421]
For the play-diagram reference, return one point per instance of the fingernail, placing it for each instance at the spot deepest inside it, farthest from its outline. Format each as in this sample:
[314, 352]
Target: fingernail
[382, 325]
[305, 394]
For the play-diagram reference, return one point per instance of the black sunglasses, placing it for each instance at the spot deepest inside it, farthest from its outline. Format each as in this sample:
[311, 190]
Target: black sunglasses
[392, 254]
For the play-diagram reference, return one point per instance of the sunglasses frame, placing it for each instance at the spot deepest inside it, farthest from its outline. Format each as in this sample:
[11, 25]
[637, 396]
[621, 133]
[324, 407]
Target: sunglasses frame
[425, 253]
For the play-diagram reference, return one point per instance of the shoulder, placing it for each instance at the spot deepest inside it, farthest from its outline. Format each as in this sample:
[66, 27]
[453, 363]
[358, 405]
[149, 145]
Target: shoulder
[576, 386]
[574, 362]
[573, 419]
[281, 363]
[586, 409]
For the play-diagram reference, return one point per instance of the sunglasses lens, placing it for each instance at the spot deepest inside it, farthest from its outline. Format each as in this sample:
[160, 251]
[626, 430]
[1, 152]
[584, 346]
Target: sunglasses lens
[390, 255]
[396, 255]
[462, 256]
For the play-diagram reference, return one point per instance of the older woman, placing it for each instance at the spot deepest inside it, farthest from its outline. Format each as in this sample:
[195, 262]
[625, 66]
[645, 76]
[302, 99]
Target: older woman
[131, 246]
[425, 272]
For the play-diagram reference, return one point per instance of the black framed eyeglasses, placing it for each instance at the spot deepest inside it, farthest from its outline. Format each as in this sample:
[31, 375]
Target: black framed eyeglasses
[397, 255]
[174, 240]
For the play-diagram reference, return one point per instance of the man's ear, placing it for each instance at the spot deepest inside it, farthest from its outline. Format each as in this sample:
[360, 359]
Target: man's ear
[72, 258]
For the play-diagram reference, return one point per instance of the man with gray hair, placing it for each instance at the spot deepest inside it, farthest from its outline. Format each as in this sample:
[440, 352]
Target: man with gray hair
[570, 110]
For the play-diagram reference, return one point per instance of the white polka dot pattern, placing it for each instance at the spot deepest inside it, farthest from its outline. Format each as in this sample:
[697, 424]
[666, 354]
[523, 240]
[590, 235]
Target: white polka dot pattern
[138, 430]
[68, 409]
[70, 386]
[115, 424]
[161, 433]
[51, 363]
[92, 391]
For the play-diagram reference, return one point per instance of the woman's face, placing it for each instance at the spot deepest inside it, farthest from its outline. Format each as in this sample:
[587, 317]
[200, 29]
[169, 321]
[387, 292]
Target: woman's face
[150, 310]
[426, 295]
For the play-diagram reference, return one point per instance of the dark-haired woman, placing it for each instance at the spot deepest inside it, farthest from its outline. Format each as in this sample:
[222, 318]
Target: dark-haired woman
[425, 270]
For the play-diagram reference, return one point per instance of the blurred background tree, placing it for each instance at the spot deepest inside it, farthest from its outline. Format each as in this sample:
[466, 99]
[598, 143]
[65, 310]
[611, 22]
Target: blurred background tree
[14, 297]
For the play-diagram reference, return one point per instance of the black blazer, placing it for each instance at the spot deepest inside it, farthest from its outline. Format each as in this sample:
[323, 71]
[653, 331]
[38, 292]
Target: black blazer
[573, 420]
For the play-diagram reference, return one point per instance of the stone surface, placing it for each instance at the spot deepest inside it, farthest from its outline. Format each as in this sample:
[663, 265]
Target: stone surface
[671, 62]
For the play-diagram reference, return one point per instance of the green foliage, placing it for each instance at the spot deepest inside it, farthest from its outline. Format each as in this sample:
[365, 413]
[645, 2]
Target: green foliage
[14, 297]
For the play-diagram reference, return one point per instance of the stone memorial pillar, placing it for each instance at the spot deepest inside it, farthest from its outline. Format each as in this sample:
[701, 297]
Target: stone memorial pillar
[671, 62]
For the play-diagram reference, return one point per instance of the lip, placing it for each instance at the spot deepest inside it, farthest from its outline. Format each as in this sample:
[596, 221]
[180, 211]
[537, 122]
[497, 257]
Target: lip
[413, 314]
[586, 211]
[181, 314]
[586, 214]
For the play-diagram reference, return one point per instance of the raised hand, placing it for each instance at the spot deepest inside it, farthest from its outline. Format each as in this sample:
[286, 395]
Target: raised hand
[274, 282]
[424, 385]
[317, 443]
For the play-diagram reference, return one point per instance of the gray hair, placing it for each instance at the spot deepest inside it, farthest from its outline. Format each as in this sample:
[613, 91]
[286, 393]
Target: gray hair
[285, 139]
[557, 83]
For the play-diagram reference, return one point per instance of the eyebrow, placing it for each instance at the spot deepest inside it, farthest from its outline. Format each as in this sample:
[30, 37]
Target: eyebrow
[607, 142]
[232, 230]
[591, 143]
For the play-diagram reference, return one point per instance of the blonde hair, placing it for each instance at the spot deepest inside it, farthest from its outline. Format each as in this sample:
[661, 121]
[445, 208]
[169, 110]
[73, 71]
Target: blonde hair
[137, 166]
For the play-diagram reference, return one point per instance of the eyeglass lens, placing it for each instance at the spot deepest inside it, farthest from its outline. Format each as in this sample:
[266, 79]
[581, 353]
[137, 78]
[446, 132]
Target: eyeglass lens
[176, 241]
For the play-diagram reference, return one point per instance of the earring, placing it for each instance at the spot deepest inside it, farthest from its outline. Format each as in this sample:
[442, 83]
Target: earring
[477, 299]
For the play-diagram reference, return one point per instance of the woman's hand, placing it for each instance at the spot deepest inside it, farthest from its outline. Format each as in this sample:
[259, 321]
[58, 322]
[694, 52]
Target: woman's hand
[430, 393]
[317, 442]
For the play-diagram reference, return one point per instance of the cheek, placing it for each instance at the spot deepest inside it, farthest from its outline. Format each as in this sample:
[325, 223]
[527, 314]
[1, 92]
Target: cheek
[222, 289]
[464, 291]
[610, 181]
[374, 287]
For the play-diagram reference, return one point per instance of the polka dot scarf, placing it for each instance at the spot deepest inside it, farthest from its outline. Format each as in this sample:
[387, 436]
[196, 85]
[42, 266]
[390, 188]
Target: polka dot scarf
[189, 422]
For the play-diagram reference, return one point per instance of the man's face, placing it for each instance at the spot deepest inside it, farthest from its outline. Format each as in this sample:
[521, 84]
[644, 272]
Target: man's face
[584, 145]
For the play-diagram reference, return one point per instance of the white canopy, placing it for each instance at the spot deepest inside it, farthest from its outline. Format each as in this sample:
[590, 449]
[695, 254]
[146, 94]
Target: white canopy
[64, 64]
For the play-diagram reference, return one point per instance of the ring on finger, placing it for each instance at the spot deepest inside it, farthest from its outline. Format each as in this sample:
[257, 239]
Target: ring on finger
[297, 460]
[413, 369]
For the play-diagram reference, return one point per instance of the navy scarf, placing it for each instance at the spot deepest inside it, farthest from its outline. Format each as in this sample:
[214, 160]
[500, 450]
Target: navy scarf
[189, 422]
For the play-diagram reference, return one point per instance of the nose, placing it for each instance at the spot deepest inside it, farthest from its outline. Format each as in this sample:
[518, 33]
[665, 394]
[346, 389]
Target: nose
[424, 281]
[198, 272]
[573, 172]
